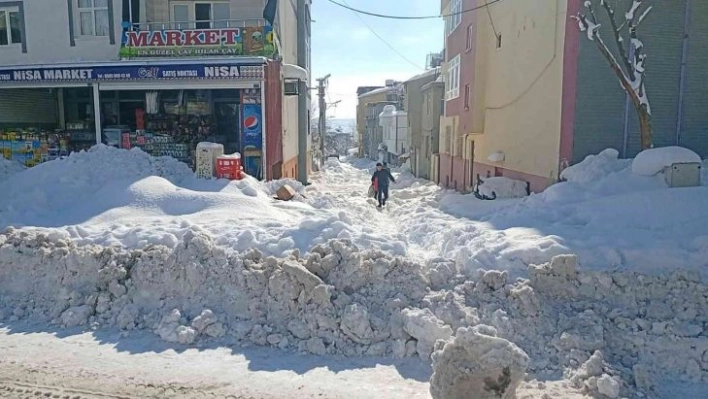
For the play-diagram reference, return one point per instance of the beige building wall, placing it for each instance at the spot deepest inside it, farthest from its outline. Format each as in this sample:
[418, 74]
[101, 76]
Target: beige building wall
[374, 96]
[518, 88]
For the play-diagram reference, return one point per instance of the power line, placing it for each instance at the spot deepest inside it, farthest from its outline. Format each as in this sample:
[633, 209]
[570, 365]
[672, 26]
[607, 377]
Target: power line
[403, 57]
[373, 14]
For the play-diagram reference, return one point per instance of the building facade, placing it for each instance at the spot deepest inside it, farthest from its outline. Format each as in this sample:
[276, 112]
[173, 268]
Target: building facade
[533, 95]
[433, 106]
[414, 103]
[370, 104]
[157, 74]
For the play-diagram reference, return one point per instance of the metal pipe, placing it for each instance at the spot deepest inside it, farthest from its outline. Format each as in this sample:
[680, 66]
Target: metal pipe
[682, 80]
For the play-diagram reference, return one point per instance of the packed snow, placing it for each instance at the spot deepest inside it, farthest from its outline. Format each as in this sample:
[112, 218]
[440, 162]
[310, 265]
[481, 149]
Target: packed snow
[9, 168]
[502, 187]
[596, 283]
[653, 161]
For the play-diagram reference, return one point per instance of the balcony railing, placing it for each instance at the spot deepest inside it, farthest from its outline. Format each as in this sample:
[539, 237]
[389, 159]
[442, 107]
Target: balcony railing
[251, 37]
[202, 24]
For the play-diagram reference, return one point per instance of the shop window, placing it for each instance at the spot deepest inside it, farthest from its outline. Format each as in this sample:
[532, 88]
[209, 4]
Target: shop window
[93, 17]
[10, 26]
[201, 15]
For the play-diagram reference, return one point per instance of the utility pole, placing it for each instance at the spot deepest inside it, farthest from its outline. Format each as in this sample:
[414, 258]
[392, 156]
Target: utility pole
[303, 104]
[321, 85]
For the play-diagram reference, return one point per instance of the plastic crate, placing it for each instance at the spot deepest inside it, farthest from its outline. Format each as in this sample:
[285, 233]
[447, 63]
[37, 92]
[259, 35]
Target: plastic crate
[229, 167]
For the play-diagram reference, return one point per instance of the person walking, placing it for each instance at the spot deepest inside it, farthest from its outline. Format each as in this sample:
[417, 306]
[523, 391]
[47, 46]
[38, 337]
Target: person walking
[381, 177]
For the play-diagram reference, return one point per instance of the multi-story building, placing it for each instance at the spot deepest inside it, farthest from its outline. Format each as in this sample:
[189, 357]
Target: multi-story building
[433, 105]
[158, 74]
[527, 94]
[414, 104]
[370, 105]
[395, 134]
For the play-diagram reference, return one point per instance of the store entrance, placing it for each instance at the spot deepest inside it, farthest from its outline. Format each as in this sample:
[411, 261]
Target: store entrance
[172, 122]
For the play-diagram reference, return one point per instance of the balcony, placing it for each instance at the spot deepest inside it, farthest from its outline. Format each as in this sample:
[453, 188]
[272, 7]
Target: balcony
[199, 38]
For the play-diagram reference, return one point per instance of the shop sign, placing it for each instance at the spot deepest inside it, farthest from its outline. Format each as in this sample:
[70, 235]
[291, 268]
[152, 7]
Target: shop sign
[252, 40]
[128, 72]
[252, 127]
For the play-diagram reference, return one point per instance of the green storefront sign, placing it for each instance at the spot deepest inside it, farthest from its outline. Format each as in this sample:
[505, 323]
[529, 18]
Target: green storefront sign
[253, 40]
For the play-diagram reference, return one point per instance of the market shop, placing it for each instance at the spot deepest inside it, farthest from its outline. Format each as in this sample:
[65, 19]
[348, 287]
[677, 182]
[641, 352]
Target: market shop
[165, 108]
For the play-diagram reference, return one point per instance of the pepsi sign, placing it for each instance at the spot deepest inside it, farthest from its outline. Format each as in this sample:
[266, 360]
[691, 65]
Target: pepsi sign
[252, 127]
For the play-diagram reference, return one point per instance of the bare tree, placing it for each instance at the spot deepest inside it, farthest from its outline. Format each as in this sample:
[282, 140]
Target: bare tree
[630, 69]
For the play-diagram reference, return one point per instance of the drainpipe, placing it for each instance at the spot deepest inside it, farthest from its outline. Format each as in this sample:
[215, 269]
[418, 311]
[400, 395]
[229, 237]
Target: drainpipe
[682, 81]
[395, 143]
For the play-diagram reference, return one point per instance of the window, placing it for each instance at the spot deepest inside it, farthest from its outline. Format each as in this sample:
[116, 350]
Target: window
[201, 15]
[454, 17]
[467, 97]
[10, 26]
[452, 83]
[470, 37]
[93, 17]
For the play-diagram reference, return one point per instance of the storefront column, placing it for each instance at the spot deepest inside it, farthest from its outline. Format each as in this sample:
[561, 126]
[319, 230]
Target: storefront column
[97, 112]
[266, 173]
[61, 109]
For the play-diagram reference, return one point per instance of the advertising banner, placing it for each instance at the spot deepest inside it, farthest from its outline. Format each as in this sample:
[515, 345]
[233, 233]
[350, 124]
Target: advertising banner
[252, 127]
[131, 72]
[250, 40]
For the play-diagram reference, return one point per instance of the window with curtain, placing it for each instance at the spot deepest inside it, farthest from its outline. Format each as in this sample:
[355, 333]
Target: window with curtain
[10, 26]
[93, 17]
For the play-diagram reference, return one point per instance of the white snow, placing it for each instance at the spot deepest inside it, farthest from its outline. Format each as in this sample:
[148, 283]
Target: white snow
[184, 266]
[502, 187]
[9, 168]
[654, 160]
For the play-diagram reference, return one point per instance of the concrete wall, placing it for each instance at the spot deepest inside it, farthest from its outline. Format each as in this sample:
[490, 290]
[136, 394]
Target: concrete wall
[522, 88]
[49, 40]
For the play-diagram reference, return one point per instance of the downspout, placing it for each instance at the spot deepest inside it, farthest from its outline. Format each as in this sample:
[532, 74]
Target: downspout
[682, 81]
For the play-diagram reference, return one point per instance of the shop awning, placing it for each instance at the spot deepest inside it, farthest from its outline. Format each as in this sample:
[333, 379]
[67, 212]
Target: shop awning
[231, 69]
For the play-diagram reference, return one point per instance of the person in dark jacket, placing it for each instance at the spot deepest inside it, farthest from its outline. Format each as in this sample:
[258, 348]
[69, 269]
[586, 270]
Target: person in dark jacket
[382, 177]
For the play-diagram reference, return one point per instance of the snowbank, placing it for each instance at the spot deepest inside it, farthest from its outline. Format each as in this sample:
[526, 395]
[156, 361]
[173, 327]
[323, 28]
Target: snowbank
[9, 168]
[113, 197]
[611, 217]
[595, 167]
[652, 161]
[342, 300]
[502, 187]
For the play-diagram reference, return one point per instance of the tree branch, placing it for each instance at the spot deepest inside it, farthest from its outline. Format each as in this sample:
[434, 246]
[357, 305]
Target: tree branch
[618, 38]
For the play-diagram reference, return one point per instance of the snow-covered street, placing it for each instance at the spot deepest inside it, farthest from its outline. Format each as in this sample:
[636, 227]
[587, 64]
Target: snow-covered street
[152, 283]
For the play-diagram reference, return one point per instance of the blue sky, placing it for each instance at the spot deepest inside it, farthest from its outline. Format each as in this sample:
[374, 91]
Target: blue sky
[343, 46]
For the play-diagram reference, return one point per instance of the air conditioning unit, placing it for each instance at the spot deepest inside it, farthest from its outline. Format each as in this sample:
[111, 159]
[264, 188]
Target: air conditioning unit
[291, 88]
[683, 174]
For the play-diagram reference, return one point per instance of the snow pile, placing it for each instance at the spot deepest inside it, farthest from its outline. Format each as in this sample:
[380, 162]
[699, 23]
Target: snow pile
[9, 168]
[477, 361]
[652, 161]
[114, 197]
[342, 300]
[502, 187]
[609, 216]
[595, 167]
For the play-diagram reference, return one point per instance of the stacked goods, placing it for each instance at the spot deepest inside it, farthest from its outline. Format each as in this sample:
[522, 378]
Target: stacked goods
[31, 147]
